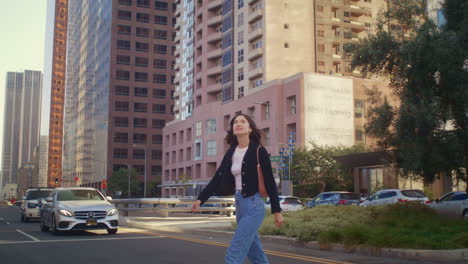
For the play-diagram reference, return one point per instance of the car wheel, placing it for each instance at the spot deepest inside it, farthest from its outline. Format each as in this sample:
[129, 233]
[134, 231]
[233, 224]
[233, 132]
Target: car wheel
[22, 217]
[53, 226]
[43, 227]
[465, 215]
[112, 231]
[26, 220]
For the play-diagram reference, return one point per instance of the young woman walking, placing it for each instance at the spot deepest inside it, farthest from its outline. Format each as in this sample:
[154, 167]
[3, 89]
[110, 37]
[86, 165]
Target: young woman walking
[238, 175]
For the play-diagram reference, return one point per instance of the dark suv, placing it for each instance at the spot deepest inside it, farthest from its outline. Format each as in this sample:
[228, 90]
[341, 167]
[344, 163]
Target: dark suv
[334, 198]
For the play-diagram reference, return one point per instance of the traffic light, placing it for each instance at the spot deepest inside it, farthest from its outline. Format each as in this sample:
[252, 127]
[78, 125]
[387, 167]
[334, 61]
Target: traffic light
[56, 180]
[104, 184]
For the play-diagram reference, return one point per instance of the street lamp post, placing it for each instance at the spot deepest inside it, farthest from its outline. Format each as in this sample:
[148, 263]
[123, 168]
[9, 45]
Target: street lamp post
[128, 168]
[144, 183]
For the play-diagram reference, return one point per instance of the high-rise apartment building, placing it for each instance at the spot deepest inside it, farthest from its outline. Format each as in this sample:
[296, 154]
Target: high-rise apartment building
[22, 117]
[246, 56]
[118, 88]
[43, 159]
[57, 90]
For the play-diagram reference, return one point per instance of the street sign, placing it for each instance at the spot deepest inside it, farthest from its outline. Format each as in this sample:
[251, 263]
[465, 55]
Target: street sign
[275, 158]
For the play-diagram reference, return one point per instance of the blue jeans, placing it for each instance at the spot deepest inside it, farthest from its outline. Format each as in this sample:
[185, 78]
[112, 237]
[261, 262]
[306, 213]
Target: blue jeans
[250, 212]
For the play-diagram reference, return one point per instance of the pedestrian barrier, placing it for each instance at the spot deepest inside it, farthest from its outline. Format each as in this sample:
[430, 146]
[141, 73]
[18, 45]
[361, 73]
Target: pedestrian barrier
[164, 206]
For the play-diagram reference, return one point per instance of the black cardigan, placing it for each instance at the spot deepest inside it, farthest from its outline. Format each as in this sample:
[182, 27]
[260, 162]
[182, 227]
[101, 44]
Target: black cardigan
[223, 182]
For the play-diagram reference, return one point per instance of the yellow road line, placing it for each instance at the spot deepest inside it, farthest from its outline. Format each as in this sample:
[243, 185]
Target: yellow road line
[269, 252]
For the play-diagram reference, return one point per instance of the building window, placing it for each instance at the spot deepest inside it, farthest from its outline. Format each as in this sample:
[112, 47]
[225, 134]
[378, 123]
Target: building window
[257, 44]
[266, 111]
[359, 108]
[240, 55]
[211, 148]
[143, 3]
[257, 83]
[156, 154]
[159, 78]
[251, 112]
[159, 93]
[142, 32]
[227, 58]
[156, 139]
[359, 135]
[240, 92]
[141, 76]
[123, 44]
[125, 2]
[126, 15]
[320, 33]
[160, 34]
[240, 4]
[240, 37]
[156, 170]
[121, 106]
[120, 153]
[227, 23]
[121, 121]
[160, 5]
[140, 122]
[292, 104]
[124, 29]
[139, 138]
[140, 107]
[198, 128]
[159, 64]
[159, 108]
[211, 126]
[158, 123]
[122, 90]
[123, 75]
[123, 60]
[141, 61]
[160, 20]
[240, 74]
[319, 8]
[138, 153]
[142, 17]
[121, 137]
[160, 49]
[197, 155]
[266, 134]
[141, 46]
[141, 91]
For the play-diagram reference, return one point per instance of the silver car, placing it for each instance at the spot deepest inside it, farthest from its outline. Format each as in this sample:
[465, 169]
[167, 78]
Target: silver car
[78, 208]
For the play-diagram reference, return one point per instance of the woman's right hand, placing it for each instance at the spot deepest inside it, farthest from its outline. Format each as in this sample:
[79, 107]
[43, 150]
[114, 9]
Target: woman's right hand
[195, 206]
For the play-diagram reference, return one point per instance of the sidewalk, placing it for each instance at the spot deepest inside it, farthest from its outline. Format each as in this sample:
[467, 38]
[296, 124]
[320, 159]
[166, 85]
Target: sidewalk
[216, 226]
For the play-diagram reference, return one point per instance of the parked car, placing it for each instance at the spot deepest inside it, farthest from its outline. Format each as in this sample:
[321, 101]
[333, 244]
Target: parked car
[334, 198]
[78, 208]
[32, 201]
[5, 202]
[391, 196]
[452, 204]
[287, 203]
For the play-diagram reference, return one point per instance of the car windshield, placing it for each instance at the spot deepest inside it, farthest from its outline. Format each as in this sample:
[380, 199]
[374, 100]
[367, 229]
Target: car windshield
[413, 193]
[292, 200]
[74, 195]
[32, 195]
[349, 196]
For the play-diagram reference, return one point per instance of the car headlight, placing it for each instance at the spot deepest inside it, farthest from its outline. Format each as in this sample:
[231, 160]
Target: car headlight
[32, 205]
[112, 212]
[65, 212]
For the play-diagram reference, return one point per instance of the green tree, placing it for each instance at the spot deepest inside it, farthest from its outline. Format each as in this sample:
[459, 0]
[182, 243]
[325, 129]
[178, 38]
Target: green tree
[314, 169]
[427, 70]
[118, 182]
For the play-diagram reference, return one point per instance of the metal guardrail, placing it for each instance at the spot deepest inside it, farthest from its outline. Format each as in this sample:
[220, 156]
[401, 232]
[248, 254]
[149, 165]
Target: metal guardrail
[164, 206]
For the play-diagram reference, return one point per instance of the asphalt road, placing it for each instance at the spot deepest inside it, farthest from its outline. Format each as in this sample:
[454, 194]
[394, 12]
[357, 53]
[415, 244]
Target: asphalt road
[25, 243]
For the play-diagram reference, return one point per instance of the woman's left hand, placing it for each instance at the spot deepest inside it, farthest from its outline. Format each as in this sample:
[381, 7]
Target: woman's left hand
[279, 219]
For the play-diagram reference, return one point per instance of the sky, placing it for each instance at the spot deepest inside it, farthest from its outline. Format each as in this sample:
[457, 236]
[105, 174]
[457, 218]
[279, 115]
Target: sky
[22, 48]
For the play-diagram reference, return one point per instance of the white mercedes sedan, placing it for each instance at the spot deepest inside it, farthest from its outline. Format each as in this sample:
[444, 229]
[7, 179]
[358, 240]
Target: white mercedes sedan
[78, 208]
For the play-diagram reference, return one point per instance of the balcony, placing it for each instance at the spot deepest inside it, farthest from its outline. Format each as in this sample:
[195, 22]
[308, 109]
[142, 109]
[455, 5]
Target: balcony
[254, 73]
[255, 34]
[215, 21]
[214, 4]
[336, 56]
[253, 54]
[335, 20]
[178, 12]
[198, 27]
[358, 25]
[177, 80]
[214, 54]
[176, 66]
[213, 71]
[359, 9]
[255, 15]
[213, 88]
[213, 38]
[251, 2]
[177, 38]
[177, 52]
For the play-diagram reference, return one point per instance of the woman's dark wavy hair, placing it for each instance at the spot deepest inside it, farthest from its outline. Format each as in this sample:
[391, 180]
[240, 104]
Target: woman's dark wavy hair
[255, 135]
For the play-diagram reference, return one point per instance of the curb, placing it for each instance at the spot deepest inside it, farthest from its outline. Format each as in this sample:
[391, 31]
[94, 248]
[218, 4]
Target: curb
[455, 255]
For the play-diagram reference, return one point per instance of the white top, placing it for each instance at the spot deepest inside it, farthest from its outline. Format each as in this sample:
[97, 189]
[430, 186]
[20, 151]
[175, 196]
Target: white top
[236, 168]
